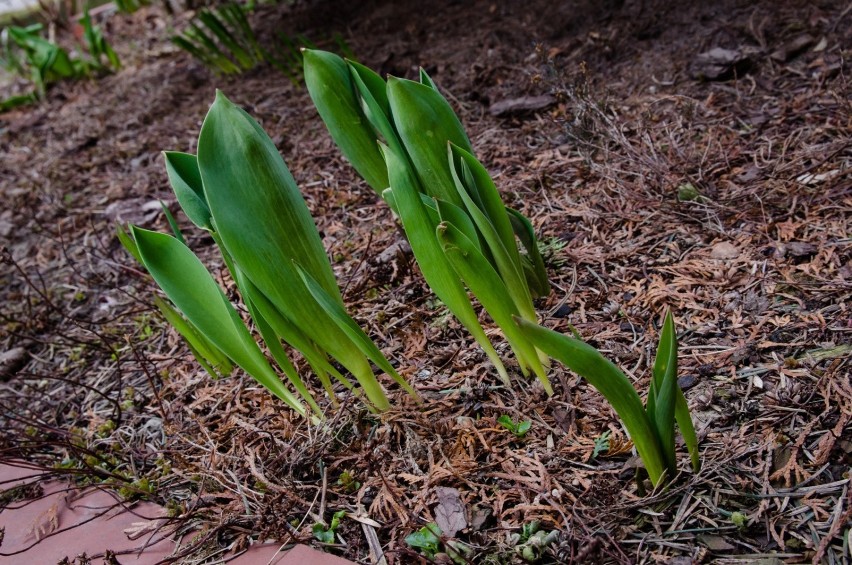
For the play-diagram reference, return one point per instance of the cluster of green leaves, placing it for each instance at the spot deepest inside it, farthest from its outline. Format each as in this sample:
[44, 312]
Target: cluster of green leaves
[26, 52]
[325, 534]
[239, 190]
[222, 39]
[403, 137]
[531, 542]
[518, 428]
[98, 46]
[428, 540]
[652, 426]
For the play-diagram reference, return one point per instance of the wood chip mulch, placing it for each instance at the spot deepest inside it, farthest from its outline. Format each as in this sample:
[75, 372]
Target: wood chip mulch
[727, 201]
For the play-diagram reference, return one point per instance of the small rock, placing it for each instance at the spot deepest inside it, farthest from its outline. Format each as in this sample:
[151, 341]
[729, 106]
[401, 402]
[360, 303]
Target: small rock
[400, 248]
[686, 382]
[724, 250]
[562, 312]
[801, 249]
[11, 362]
[521, 105]
[720, 64]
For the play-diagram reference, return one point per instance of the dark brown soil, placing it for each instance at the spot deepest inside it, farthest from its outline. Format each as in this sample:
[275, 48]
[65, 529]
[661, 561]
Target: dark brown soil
[756, 270]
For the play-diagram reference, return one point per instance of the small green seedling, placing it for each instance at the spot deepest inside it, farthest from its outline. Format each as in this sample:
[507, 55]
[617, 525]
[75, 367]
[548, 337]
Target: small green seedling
[651, 424]
[531, 542]
[739, 520]
[348, 482]
[427, 539]
[519, 429]
[326, 534]
[601, 444]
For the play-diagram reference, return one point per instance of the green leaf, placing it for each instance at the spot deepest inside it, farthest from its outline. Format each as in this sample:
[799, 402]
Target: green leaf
[226, 37]
[127, 242]
[666, 364]
[210, 357]
[439, 274]
[190, 287]
[330, 86]
[185, 178]
[687, 430]
[534, 270]
[273, 343]
[602, 374]
[427, 539]
[486, 285]
[371, 90]
[506, 421]
[264, 224]
[493, 223]
[172, 222]
[288, 332]
[425, 123]
[664, 386]
[372, 388]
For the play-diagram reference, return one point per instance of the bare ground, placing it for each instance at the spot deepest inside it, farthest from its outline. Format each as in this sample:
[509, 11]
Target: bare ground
[755, 268]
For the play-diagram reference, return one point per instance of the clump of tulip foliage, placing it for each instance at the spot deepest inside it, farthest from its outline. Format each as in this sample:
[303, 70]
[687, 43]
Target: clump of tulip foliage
[239, 190]
[404, 139]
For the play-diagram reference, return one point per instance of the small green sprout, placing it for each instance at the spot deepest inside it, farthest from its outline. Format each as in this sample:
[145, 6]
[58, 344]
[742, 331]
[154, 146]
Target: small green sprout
[531, 542]
[326, 534]
[739, 519]
[427, 539]
[519, 429]
[348, 482]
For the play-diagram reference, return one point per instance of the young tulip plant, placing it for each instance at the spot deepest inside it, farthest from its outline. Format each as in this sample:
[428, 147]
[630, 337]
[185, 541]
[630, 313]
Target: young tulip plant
[404, 139]
[651, 427]
[238, 189]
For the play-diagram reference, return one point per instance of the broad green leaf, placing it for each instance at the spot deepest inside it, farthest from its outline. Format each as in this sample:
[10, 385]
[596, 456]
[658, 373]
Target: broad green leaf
[602, 374]
[664, 386]
[205, 352]
[357, 335]
[425, 123]
[534, 269]
[330, 85]
[291, 334]
[190, 287]
[256, 206]
[666, 362]
[274, 344]
[493, 224]
[481, 278]
[265, 226]
[420, 230]
[372, 94]
[185, 178]
[456, 216]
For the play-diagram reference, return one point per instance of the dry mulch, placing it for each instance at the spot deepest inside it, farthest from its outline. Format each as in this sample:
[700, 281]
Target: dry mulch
[727, 201]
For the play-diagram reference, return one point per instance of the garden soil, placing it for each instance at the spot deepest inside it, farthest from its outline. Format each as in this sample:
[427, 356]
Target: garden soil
[688, 157]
